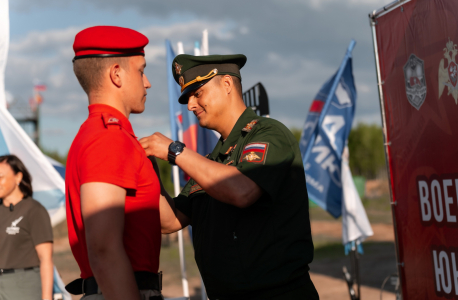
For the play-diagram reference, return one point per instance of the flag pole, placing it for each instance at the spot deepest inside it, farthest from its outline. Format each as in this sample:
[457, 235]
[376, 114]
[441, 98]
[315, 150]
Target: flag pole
[175, 171]
[176, 186]
[202, 50]
[184, 278]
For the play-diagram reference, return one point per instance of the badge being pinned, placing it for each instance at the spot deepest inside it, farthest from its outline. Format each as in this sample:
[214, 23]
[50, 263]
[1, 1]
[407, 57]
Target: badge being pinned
[255, 153]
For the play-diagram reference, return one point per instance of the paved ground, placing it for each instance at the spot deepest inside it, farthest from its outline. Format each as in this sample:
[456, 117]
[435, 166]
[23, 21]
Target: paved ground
[326, 270]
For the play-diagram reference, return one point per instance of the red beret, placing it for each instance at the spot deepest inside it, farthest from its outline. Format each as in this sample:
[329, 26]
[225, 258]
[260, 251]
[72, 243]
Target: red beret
[108, 41]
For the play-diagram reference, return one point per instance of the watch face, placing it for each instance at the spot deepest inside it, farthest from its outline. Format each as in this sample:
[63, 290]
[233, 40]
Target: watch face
[173, 147]
[176, 147]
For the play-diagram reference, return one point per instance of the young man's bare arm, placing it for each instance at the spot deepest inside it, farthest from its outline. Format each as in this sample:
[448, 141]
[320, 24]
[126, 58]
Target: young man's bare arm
[102, 207]
[172, 219]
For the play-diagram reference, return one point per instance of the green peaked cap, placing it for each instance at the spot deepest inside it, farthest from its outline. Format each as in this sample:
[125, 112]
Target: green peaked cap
[191, 72]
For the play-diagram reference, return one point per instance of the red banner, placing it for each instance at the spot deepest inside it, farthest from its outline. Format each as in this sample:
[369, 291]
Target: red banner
[418, 47]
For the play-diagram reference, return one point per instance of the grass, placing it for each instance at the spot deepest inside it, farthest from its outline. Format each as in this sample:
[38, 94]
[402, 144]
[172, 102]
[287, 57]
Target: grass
[378, 211]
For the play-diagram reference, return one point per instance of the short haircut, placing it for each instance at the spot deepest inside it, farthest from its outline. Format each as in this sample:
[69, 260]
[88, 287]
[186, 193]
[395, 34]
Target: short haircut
[237, 84]
[89, 71]
[17, 166]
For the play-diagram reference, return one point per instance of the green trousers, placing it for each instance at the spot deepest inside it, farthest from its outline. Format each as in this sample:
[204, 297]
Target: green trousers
[24, 285]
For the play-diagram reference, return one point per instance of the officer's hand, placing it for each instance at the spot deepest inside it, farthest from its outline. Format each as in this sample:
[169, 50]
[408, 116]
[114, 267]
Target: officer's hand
[156, 145]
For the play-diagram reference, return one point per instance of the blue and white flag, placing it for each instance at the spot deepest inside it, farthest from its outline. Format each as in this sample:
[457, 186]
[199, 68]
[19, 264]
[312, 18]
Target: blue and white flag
[324, 137]
[48, 185]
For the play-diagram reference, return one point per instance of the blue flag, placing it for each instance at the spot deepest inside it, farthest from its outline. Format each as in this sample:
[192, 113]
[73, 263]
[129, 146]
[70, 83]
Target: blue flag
[324, 137]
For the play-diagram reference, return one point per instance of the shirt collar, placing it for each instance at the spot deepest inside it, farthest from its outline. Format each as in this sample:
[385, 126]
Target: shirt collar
[107, 109]
[246, 117]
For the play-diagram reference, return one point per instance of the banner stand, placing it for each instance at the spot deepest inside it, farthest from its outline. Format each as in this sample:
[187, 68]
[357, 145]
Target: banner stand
[373, 22]
[355, 279]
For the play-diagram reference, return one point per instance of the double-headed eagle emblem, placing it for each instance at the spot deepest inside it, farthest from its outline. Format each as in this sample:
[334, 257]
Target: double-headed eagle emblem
[252, 156]
[448, 76]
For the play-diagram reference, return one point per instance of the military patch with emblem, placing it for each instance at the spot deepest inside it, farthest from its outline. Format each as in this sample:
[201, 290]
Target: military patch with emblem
[195, 188]
[250, 126]
[254, 152]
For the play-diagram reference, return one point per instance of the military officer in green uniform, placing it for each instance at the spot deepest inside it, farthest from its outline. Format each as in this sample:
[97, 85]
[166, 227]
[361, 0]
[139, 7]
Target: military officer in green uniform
[247, 200]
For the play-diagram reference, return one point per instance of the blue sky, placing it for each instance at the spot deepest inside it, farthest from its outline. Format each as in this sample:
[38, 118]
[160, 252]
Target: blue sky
[292, 46]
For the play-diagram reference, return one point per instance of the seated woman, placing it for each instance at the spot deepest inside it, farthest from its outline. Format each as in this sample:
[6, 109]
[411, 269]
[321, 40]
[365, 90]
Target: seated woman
[26, 267]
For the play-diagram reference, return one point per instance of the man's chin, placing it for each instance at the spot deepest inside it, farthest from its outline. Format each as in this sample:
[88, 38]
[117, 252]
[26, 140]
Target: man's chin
[138, 110]
[202, 123]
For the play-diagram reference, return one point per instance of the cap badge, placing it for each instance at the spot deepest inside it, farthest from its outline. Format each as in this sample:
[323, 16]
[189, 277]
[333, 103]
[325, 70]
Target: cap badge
[178, 68]
[181, 81]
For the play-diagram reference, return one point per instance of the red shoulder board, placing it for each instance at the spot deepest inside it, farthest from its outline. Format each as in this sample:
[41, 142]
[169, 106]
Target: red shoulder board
[109, 119]
[250, 126]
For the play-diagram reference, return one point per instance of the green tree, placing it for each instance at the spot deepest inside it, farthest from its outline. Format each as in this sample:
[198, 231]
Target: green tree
[55, 155]
[296, 132]
[367, 157]
[166, 175]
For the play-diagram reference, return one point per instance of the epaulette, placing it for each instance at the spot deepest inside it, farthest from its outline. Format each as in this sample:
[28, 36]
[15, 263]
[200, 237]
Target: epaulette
[250, 126]
[109, 119]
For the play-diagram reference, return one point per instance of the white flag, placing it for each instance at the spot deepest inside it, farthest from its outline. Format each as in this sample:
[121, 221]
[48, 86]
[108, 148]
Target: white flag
[48, 185]
[204, 47]
[355, 224]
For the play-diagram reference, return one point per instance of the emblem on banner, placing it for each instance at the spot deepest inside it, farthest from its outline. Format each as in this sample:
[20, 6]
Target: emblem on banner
[415, 82]
[448, 76]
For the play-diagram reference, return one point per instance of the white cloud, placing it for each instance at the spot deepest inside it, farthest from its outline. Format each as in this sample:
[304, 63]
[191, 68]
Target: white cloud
[363, 88]
[294, 76]
[321, 4]
[292, 46]
[36, 42]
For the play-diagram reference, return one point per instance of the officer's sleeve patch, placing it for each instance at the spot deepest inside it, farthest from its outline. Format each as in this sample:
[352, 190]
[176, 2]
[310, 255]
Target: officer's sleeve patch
[255, 152]
[195, 188]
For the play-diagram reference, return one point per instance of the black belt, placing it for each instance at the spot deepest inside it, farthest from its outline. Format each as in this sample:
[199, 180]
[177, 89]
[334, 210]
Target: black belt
[89, 286]
[6, 271]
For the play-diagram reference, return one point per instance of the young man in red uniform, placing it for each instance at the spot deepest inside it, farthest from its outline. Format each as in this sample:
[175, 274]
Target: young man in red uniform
[112, 190]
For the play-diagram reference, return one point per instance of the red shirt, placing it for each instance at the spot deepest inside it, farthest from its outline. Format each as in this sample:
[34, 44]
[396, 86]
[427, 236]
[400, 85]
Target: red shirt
[106, 150]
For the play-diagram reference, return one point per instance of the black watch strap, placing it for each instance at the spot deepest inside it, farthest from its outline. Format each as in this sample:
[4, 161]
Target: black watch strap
[171, 157]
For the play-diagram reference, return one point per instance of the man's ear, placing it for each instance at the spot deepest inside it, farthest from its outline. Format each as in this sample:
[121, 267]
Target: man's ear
[227, 83]
[115, 75]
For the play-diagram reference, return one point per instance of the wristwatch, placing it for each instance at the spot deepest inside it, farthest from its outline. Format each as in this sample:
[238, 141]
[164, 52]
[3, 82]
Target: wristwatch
[175, 148]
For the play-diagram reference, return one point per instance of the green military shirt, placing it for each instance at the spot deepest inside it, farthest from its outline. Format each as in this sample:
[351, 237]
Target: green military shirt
[263, 249]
